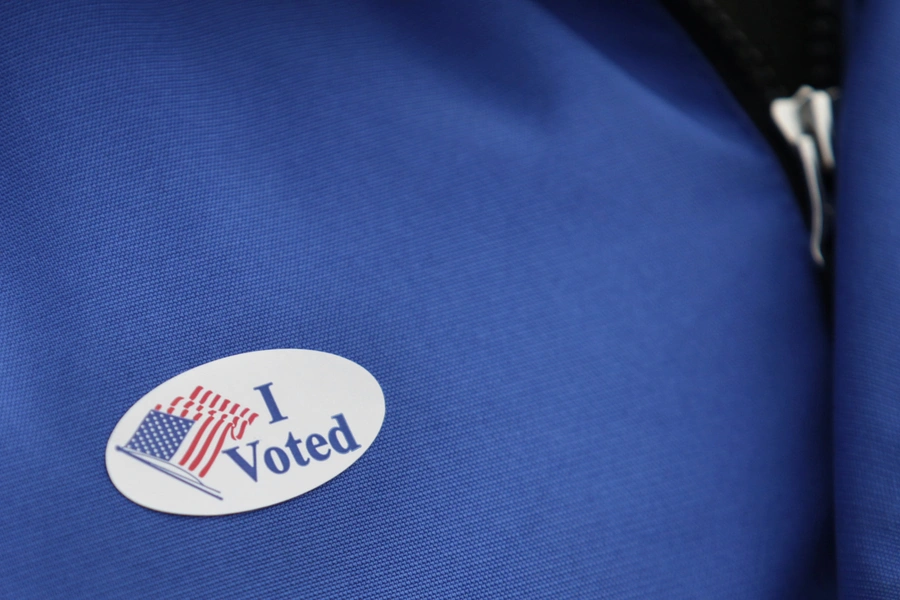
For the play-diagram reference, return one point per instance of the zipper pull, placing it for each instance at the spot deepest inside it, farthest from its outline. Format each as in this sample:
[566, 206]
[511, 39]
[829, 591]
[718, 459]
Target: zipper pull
[806, 121]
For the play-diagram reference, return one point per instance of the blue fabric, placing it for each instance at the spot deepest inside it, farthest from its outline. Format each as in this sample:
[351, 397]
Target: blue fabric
[867, 335]
[570, 260]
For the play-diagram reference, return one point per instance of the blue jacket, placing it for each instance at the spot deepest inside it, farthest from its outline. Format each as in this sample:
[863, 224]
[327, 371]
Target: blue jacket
[570, 258]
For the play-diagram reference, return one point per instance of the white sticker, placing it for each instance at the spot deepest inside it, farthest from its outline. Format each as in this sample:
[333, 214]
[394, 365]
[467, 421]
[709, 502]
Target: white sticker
[245, 432]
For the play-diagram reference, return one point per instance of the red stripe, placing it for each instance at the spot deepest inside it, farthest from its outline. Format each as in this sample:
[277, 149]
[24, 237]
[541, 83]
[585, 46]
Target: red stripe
[224, 404]
[233, 424]
[215, 453]
[205, 396]
[244, 412]
[205, 447]
[158, 407]
[176, 401]
[234, 408]
[244, 425]
[252, 417]
[196, 439]
[213, 403]
[196, 391]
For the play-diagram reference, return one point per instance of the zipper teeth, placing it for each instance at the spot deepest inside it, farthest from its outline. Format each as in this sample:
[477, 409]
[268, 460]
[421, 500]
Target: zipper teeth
[750, 61]
[823, 43]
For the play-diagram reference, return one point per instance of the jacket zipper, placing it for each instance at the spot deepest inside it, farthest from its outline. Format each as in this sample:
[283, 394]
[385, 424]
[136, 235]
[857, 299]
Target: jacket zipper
[799, 128]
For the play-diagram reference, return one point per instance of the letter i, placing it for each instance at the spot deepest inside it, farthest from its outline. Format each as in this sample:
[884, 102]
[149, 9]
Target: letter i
[270, 403]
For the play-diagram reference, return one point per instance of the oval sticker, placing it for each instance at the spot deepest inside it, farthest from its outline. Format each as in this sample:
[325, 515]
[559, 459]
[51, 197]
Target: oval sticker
[245, 432]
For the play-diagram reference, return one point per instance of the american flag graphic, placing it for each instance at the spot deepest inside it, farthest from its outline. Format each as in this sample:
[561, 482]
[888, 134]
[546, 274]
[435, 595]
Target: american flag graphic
[184, 438]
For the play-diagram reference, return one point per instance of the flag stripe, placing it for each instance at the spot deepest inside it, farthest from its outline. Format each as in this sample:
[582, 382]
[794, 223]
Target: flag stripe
[205, 446]
[194, 442]
[215, 454]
